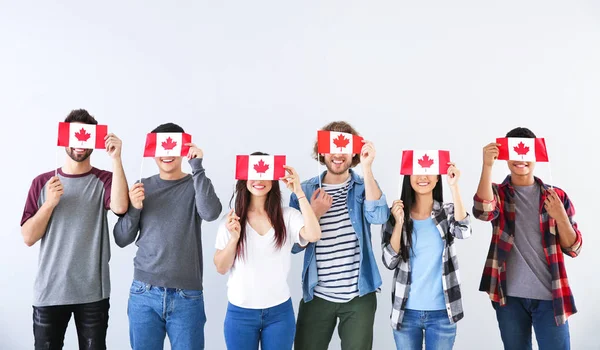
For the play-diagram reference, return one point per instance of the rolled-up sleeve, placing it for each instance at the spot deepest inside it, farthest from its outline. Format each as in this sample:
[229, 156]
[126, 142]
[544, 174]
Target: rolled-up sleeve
[377, 211]
[485, 210]
[460, 229]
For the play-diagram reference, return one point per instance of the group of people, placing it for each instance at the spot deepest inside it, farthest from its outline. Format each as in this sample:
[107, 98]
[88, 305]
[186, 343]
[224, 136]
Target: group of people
[329, 218]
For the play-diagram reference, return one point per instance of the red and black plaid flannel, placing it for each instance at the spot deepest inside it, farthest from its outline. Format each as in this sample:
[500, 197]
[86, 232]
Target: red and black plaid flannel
[501, 212]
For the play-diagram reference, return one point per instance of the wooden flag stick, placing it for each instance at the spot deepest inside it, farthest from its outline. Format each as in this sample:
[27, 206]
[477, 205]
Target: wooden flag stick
[319, 169]
[56, 163]
[550, 175]
[550, 171]
[141, 167]
[399, 186]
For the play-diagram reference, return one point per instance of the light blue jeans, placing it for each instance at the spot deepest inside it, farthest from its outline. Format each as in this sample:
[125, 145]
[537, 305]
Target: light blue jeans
[433, 326]
[157, 311]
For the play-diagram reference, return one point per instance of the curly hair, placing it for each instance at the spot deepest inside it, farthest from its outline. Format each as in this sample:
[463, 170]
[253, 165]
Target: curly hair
[338, 126]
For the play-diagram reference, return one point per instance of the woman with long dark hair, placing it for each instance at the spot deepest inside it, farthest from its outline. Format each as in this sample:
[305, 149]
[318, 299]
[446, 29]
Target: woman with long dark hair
[418, 243]
[254, 245]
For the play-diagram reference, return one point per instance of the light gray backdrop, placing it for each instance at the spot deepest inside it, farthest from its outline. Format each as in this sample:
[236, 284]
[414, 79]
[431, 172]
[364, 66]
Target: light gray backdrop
[242, 76]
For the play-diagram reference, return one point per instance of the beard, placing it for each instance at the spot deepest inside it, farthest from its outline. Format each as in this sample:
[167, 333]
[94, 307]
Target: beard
[342, 170]
[78, 157]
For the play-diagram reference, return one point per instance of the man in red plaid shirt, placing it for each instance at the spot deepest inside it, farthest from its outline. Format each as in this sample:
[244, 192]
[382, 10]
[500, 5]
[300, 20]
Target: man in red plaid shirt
[524, 273]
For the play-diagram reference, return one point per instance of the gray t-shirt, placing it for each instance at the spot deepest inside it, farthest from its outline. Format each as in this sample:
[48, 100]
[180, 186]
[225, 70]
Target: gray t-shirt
[527, 271]
[169, 224]
[75, 249]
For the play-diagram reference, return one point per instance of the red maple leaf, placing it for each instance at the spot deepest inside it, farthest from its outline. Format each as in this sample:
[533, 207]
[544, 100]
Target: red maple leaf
[521, 149]
[82, 135]
[341, 141]
[425, 162]
[261, 167]
[169, 144]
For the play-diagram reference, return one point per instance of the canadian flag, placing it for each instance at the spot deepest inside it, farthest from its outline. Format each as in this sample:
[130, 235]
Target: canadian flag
[522, 148]
[338, 142]
[431, 162]
[78, 135]
[259, 167]
[167, 144]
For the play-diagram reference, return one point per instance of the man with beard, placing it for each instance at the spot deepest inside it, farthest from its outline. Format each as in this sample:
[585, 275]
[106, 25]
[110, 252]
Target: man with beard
[68, 213]
[340, 275]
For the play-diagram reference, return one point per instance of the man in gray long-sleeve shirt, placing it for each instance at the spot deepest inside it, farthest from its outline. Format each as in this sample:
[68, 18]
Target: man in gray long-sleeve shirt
[167, 210]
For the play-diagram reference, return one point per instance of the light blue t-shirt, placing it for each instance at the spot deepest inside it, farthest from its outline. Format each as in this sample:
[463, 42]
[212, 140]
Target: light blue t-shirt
[426, 290]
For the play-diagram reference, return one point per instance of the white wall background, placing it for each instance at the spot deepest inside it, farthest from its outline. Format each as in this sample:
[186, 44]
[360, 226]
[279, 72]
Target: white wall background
[265, 75]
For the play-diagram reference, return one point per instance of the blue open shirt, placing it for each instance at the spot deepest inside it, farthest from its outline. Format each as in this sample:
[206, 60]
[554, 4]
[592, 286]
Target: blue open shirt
[363, 214]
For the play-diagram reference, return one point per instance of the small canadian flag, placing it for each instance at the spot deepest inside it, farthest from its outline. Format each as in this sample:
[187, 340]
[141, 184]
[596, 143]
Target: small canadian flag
[338, 142]
[430, 162]
[259, 167]
[167, 144]
[78, 135]
[522, 148]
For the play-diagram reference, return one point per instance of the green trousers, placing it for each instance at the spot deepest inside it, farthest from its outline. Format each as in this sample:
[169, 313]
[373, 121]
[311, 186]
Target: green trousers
[317, 320]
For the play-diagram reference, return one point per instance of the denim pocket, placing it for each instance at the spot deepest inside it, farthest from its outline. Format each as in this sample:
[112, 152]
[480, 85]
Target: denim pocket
[359, 197]
[137, 287]
[191, 294]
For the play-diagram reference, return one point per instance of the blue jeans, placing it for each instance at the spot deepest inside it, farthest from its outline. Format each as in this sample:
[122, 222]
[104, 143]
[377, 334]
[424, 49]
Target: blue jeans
[156, 311]
[518, 315]
[439, 332]
[273, 328]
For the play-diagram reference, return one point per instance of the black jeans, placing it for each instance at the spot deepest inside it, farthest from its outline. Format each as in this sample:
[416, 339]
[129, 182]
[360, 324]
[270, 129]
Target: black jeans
[91, 319]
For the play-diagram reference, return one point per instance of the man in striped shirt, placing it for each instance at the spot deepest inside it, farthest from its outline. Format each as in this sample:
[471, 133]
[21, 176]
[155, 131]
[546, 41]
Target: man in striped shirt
[340, 275]
[338, 253]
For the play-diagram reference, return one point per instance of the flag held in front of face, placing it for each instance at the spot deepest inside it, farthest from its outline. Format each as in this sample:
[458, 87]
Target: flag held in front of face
[332, 142]
[78, 135]
[424, 162]
[249, 167]
[522, 148]
[167, 144]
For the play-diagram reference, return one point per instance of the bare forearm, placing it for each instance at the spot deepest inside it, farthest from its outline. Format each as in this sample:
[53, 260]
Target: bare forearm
[566, 234]
[460, 212]
[372, 191]
[34, 229]
[119, 198]
[312, 228]
[484, 190]
[396, 238]
[224, 258]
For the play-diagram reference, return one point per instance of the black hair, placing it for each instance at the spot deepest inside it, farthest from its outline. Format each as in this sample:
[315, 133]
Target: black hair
[273, 208]
[521, 132]
[168, 127]
[408, 199]
[80, 116]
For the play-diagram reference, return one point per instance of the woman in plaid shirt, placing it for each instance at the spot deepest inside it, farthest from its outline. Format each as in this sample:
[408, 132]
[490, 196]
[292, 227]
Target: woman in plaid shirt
[418, 243]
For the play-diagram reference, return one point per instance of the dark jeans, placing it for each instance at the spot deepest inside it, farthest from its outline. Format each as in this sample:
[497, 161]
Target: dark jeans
[50, 324]
[516, 318]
